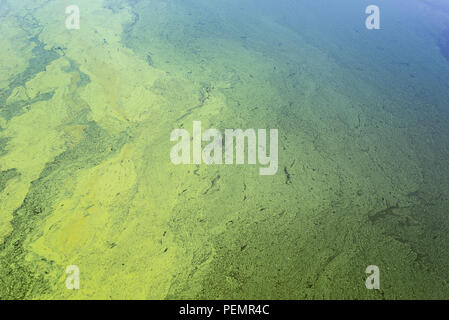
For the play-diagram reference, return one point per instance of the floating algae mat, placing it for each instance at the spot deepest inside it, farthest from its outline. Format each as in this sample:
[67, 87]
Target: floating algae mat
[206, 149]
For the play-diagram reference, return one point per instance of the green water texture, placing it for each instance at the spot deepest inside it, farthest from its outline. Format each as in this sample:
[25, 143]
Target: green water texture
[85, 171]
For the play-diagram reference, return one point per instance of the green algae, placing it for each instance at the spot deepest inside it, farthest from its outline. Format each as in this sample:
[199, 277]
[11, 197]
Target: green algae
[5, 176]
[37, 64]
[3, 144]
[17, 108]
[363, 164]
[84, 78]
[23, 279]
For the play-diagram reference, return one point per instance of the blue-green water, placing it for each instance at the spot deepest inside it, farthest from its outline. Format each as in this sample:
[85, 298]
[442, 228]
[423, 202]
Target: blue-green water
[363, 149]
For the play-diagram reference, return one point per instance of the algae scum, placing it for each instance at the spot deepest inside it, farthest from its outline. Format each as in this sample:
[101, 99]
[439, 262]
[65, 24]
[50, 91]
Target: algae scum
[86, 178]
